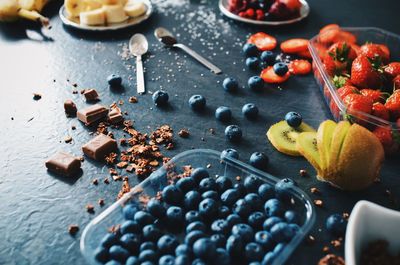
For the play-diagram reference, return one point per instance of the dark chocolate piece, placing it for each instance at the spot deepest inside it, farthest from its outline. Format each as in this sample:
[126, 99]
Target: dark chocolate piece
[92, 114]
[99, 147]
[70, 107]
[91, 95]
[115, 116]
[64, 164]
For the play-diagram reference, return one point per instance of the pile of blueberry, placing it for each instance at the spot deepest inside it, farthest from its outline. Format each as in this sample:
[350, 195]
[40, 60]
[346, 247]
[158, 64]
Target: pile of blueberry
[202, 219]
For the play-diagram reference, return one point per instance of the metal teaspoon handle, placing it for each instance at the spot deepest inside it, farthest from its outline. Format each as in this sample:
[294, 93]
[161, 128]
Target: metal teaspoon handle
[199, 58]
[140, 75]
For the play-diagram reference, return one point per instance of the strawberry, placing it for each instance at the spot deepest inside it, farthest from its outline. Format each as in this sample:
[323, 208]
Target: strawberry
[340, 81]
[293, 5]
[364, 74]
[385, 50]
[347, 37]
[341, 51]
[386, 138]
[358, 103]
[396, 82]
[263, 41]
[329, 33]
[392, 70]
[329, 65]
[294, 45]
[371, 51]
[347, 90]
[393, 104]
[304, 54]
[300, 67]
[379, 110]
[260, 14]
[269, 76]
[374, 95]
[279, 10]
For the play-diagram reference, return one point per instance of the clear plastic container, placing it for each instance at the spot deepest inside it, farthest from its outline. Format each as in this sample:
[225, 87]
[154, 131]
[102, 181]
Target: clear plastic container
[328, 89]
[228, 167]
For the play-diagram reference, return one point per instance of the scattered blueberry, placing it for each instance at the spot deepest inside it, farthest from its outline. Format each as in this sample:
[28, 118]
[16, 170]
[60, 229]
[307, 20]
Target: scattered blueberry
[293, 119]
[250, 111]
[230, 84]
[245, 232]
[223, 212]
[253, 63]
[242, 208]
[175, 216]
[259, 160]
[336, 224]
[268, 57]
[255, 201]
[283, 189]
[274, 207]
[233, 133]
[114, 80]
[223, 114]
[233, 219]
[118, 253]
[197, 102]
[280, 68]
[250, 49]
[160, 98]
[255, 83]
[204, 248]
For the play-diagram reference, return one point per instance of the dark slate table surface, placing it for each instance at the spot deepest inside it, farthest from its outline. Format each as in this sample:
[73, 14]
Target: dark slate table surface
[36, 207]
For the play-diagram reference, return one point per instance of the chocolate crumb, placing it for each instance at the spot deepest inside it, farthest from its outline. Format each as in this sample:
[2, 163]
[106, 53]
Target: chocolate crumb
[101, 202]
[133, 100]
[184, 133]
[117, 178]
[106, 181]
[90, 208]
[37, 96]
[315, 191]
[325, 249]
[73, 127]
[336, 243]
[331, 259]
[95, 181]
[318, 203]
[73, 229]
[68, 139]
[303, 173]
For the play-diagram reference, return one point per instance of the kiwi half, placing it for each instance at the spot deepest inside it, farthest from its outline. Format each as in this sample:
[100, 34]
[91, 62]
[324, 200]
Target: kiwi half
[284, 138]
[339, 134]
[324, 140]
[307, 146]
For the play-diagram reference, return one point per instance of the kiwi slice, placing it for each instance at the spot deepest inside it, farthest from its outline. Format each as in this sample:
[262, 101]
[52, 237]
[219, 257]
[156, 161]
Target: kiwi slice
[339, 134]
[307, 146]
[324, 140]
[283, 137]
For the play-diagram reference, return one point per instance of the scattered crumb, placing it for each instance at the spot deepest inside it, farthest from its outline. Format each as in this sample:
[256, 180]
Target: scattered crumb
[315, 191]
[336, 243]
[133, 100]
[303, 173]
[318, 203]
[37, 96]
[184, 133]
[238, 178]
[106, 181]
[90, 208]
[325, 249]
[101, 202]
[73, 229]
[310, 239]
[95, 181]
[68, 139]
[331, 259]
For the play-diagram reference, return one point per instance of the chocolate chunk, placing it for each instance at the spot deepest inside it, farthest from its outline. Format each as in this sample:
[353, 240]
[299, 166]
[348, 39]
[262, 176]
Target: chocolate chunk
[64, 164]
[92, 114]
[99, 147]
[70, 107]
[91, 95]
[115, 116]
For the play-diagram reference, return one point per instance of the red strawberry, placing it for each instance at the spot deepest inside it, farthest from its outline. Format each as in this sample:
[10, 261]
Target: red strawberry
[363, 74]
[250, 13]
[293, 5]
[358, 102]
[347, 90]
[385, 136]
[385, 50]
[371, 51]
[263, 41]
[341, 51]
[260, 14]
[393, 104]
[300, 67]
[347, 37]
[392, 70]
[379, 110]
[329, 65]
[269, 76]
[396, 82]
[329, 33]
[375, 95]
[279, 10]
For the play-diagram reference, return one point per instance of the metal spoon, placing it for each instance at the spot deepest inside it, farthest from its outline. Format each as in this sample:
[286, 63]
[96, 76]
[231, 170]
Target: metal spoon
[138, 46]
[166, 37]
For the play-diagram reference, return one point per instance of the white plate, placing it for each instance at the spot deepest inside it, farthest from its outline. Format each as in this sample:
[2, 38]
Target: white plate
[74, 22]
[304, 11]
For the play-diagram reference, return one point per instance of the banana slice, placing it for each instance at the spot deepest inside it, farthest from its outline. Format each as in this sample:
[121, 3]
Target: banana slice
[75, 7]
[114, 2]
[115, 13]
[93, 18]
[27, 4]
[135, 9]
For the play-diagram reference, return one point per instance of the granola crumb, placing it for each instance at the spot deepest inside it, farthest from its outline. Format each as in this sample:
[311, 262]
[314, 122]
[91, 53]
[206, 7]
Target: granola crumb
[325, 249]
[336, 243]
[95, 181]
[315, 191]
[238, 178]
[184, 133]
[346, 216]
[303, 173]
[331, 259]
[106, 181]
[68, 139]
[37, 96]
[133, 99]
[318, 203]
[90, 208]
[101, 202]
[73, 229]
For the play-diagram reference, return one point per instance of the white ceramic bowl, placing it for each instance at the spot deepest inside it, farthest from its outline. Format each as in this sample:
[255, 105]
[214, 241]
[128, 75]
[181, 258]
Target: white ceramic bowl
[369, 222]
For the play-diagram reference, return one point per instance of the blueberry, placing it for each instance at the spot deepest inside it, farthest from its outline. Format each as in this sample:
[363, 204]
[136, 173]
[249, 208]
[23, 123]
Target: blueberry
[266, 191]
[114, 80]
[255, 201]
[259, 160]
[130, 242]
[223, 212]
[253, 63]
[108, 240]
[204, 248]
[208, 208]
[101, 254]
[196, 226]
[293, 119]
[207, 184]
[245, 232]
[156, 208]
[113, 262]
[230, 84]
[291, 217]
[198, 174]
[129, 211]
[251, 183]
[118, 253]
[242, 208]
[336, 224]
[268, 258]
[193, 216]
[148, 255]
[233, 219]
[223, 114]
[172, 195]
[233, 133]
[147, 263]
[280, 68]
[185, 184]
[270, 222]
[167, 244]
[283, 189]
[254, 252]
[273, 207]
[250, 111]
[268, 57]
[240, 188]
[219, 240]
[256, 220]
[175, 216]
[132, 260]
[143, 218]
[148, 246]
[167, 260]
[182, 260]
[183, 249]
[230, 152]
[199, 262]
[255, 83]
[282, 232]
[279, 247]
[220, 226]
[211, 194]
[222, 257]
[160, 98]
[265, 240]
[234, 245]
[197, 102]
[193, 236]
[191, 200]
[230, 196]
[151, 233]
[250, 49]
